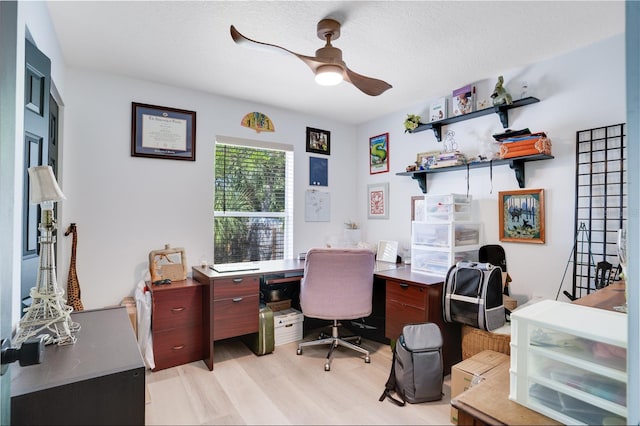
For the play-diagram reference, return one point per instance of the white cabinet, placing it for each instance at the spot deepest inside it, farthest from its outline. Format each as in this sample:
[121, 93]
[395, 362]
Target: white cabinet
[446, 236]
[568, 362]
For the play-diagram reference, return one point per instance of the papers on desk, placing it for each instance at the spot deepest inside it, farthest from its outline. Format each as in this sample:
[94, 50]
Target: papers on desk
[235, 267]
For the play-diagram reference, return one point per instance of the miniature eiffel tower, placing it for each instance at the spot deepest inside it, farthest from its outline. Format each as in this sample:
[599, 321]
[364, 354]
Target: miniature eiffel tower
[48, 314]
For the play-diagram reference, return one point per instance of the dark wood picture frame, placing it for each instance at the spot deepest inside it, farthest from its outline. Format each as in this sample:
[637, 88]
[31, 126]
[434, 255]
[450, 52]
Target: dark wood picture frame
[379, 154]
[162, 132]
[417, 207]
[521, 215]
[318, 141]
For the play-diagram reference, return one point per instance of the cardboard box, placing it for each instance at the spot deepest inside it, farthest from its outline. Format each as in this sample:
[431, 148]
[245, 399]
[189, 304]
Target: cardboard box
[287, 325]
[463, 373]
[130, 304]
[279, 306]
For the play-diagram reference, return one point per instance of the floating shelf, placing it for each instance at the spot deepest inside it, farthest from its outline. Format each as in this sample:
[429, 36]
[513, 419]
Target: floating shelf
[501, 110]
[516, 164]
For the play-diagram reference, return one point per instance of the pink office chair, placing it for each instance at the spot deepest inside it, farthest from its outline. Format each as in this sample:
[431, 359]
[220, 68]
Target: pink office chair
[337, 285]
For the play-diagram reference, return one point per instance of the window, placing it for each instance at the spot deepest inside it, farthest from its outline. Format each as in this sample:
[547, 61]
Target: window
[253, 201]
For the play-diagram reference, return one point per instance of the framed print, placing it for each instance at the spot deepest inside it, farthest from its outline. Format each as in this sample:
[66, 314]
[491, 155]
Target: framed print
[318, 141]
[318, 171]
[521, 216]
[162, 132]
[417, 208]
[378, 200]
[379, 154]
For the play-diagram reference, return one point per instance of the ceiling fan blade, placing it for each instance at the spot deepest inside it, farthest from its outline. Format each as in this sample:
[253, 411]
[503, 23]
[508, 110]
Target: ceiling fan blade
[370, 86]
[242, 40]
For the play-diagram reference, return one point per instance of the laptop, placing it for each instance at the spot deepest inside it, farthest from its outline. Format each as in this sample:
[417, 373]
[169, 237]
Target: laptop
[235, 267]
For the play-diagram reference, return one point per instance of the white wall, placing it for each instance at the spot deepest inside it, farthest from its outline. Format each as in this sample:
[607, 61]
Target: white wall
[125, 206]
[581, 90]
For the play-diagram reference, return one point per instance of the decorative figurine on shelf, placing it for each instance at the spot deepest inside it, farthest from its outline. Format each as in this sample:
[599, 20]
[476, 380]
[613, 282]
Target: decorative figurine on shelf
[500, 95]
[450, 144]
[411, 122]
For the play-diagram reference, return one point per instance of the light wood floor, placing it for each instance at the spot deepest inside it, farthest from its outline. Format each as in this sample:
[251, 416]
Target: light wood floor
[283, 388]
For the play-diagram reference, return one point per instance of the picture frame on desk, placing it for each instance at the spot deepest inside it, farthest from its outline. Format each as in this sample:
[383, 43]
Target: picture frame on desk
[521, 216]
[378, 200]
[163, 132]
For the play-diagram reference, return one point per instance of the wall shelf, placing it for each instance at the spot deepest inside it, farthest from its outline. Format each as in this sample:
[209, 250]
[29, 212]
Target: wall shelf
[501, 110]
[516, 164]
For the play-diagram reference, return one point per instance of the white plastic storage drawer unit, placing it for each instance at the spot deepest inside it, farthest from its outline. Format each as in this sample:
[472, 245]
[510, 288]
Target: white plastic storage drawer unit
[287, 326]
[437, 262]
[568, 362]
[449, 208]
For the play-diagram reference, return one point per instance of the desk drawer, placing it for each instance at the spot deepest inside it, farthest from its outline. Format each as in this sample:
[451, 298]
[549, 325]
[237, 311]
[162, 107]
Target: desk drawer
[177, 308]
[177, 346]
[407, 294]
[235, 316]
[235, 287]
[398, 315]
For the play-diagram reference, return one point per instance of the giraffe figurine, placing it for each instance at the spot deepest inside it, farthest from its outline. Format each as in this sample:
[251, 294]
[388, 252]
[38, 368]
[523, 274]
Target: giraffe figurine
[73, 286]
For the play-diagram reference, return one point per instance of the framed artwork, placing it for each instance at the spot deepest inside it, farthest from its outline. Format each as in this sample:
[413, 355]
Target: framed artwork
[378, 200]
[379, 154]
[417, 208]
[521, 216]
[163, 132]
[318, 141]
[318, 171]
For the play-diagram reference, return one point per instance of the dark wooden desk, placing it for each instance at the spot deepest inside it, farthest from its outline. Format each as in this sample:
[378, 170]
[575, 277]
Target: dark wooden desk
[97, 381]
[421, 301]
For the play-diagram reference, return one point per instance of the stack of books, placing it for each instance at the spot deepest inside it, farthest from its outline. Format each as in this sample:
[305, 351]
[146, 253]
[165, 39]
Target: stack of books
[525, 144]
[448, 159]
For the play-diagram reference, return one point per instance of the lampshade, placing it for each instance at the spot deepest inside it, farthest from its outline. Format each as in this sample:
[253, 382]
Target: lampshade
[44, 186]
[328, 75]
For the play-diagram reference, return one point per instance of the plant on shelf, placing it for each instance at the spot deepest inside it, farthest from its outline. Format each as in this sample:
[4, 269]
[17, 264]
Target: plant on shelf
[351, 225]
[411, 122]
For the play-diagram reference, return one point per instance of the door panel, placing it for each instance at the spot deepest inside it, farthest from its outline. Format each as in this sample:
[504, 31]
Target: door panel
[37, 87]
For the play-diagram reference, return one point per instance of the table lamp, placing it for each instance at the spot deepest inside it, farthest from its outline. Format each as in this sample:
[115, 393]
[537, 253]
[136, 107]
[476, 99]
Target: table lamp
[48, 314]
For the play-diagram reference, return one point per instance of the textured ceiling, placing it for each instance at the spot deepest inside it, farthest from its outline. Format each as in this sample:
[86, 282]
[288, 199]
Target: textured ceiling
[422, 48]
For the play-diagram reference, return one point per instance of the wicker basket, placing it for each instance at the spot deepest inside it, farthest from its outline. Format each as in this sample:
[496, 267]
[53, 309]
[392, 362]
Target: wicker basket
[475, 340]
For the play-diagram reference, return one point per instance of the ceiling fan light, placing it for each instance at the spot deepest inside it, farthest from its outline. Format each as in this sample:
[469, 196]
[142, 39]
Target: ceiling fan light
[328, 75]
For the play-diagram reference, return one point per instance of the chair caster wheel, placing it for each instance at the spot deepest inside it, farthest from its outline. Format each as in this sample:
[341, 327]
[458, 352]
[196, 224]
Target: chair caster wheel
[358, 341]
[327, 367]
[299, 351]
[367, 359]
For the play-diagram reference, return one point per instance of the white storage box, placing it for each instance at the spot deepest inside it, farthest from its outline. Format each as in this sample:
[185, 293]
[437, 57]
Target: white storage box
[568, 362]
[446, 235]
[287, 326]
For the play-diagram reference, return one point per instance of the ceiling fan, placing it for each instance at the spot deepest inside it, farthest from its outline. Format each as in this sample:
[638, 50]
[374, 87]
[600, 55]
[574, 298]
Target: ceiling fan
[327, 65]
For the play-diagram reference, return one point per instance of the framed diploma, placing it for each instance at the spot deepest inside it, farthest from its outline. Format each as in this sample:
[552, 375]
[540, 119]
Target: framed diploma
[162, 132]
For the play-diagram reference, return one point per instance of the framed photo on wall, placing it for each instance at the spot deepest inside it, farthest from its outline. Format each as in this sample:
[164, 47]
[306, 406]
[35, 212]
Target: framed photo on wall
[379, 154]
[162, 132]
[378, 200]
[417, 208]
[521, 216]
[318, 141]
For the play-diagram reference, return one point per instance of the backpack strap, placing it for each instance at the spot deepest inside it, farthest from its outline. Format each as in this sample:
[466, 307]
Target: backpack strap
[390, 386]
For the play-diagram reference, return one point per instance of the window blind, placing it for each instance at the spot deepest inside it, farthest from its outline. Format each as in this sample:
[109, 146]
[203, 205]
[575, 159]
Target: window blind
[253, 201]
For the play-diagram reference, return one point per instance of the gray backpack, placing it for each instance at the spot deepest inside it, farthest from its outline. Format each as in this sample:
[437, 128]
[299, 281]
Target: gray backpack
[416, 370]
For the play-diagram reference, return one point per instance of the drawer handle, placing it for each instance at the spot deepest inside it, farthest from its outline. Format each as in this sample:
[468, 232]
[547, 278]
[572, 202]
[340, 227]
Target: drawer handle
[177, 348]
[237, 280]
[237, 299]
[176, 310]
[404, 286]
